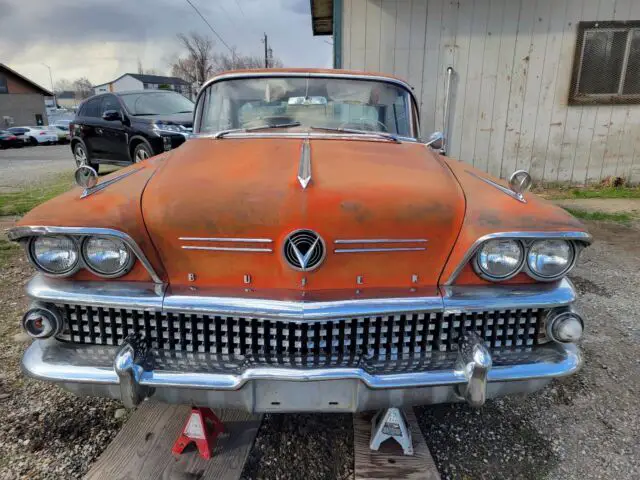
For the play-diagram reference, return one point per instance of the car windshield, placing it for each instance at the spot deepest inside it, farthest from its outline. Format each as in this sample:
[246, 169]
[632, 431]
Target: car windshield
[318, 102]
[156, 103]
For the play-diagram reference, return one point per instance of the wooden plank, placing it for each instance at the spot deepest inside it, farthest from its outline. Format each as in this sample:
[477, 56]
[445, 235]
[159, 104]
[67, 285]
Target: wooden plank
[531, 105]
[613, 154]
[358, 33]
[547, 98]
[630, 148]
[142, 449]
[563, 126]
[403, 38]
[488, 83]
[388, 35]
[461, 64]
[372, 38]
[430, 68]
[389, 461]
[473, 83]
[518, 88]
[346, 34]
[508, 37]
[417, 45]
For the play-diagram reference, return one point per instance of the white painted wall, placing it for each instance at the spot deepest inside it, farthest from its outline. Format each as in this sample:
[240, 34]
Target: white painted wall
[513, 62]
[127, 83]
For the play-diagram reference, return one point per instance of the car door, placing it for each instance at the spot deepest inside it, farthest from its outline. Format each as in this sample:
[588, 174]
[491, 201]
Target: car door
[89, 123]
[113, 132]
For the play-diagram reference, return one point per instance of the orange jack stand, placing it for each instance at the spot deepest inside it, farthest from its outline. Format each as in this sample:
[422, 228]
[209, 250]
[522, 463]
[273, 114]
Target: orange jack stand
[197, 430]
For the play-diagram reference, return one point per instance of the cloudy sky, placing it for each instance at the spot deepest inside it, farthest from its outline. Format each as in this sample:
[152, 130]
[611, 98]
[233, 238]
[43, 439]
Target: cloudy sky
[101, 39]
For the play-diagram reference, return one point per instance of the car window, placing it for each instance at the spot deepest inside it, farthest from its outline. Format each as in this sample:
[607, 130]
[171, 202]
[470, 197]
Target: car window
[91, 108]
[156, 103]
[109, 102]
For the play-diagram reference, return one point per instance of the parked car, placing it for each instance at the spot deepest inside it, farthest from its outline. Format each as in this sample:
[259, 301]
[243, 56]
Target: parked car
[302, 255]
[61, 132]
[9, 140]
[128, 127]
[34, 135]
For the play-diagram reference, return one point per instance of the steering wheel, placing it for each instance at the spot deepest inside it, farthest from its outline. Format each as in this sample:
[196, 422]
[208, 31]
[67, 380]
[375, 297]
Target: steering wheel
[365, 124]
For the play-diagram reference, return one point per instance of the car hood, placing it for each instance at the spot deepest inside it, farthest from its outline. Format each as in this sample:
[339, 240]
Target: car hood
[185, 119]
[247, 190]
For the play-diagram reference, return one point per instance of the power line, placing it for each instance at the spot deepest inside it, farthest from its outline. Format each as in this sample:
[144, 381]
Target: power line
[240, 8]
[212, 29]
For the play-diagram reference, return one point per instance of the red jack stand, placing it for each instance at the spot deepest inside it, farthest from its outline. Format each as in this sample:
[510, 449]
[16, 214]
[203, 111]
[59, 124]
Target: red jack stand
[196, 430]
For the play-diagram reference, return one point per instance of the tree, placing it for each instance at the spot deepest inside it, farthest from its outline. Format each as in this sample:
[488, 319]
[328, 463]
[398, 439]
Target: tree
[201, 62]
[82, 87]
[197, 65]
[63, 85]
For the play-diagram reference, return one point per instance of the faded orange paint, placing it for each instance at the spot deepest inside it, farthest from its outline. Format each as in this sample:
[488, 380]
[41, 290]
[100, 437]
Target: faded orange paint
[248, 188]
[490, 211]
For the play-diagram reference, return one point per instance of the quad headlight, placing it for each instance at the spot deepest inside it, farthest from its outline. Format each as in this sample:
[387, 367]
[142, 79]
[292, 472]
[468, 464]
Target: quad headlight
[550, 259]
[106, 256]
[55, 254]
[543, 260]
[500, 259]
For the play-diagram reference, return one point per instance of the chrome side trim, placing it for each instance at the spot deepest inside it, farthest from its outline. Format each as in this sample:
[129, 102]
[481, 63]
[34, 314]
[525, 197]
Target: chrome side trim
[304, 168]
[381, 249]
[575, 236]
[226, 239]
[67, 363]
[227, 249]
[502, 188]
[382, 240]
[106, 183]
[133, 295]
[17, 233]
[149, 296]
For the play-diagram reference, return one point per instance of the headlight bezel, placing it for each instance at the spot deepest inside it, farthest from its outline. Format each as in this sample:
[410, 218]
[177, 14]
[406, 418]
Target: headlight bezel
[91, 268]
[536, 276]
[494, 278]
[34, 261]
[527, 243]
[81, 262]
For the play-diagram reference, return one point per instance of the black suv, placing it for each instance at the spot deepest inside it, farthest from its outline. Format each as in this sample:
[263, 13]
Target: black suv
[127, 127]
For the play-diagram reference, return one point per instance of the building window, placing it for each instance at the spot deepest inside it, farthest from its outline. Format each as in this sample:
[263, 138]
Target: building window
[3, 84]
[606, 68]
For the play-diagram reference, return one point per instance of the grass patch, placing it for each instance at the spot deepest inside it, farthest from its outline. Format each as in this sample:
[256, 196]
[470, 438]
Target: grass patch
[619, 217]
[590, 192]
[19, 203]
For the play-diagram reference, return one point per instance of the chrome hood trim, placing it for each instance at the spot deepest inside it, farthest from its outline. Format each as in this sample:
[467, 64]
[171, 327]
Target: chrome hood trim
[304, 168]
[149, 296]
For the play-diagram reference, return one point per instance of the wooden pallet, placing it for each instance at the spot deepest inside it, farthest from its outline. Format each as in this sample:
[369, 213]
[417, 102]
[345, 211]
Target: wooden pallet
[142, 449]
[389, 461]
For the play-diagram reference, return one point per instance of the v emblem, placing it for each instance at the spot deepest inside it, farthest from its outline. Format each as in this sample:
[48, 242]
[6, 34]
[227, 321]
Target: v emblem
[304, 259]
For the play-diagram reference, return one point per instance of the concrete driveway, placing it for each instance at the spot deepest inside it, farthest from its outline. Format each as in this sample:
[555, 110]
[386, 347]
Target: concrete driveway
[20, 167]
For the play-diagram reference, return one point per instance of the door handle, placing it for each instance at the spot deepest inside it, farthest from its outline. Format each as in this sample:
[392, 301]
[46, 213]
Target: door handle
[99, 131]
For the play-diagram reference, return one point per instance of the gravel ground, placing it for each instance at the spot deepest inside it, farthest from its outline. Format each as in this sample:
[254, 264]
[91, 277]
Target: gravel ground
[20, 167]
[582, 427]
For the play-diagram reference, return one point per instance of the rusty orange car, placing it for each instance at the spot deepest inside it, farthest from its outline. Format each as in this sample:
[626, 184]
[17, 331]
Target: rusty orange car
[305, 250]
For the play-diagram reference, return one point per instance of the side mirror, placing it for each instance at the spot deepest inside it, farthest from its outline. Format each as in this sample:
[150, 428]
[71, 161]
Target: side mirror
[436, 139]
[111, 115]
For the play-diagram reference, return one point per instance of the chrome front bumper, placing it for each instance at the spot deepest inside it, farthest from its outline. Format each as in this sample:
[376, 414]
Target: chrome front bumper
[131, 373]
[122, 373]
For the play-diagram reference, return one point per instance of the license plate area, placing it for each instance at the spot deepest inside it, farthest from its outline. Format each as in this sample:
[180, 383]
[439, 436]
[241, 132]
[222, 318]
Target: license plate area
[324, 396]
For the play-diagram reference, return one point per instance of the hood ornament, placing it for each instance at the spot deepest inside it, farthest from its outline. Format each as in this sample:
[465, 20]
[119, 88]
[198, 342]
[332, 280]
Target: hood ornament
[304, 250]
[304, 168]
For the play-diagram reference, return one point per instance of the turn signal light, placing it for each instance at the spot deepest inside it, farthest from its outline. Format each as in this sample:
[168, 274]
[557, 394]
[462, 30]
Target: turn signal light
[42, 322]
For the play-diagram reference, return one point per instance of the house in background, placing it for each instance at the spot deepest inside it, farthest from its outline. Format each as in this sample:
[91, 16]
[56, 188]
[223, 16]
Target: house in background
[137, 81]
[67, 99]
[552, 87]
[21, 100]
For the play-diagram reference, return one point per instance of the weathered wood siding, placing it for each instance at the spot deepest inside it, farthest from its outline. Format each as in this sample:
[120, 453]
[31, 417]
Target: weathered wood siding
[513, 62]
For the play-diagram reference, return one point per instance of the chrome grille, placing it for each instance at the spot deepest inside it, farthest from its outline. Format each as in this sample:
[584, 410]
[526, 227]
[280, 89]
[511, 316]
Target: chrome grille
[381, 337]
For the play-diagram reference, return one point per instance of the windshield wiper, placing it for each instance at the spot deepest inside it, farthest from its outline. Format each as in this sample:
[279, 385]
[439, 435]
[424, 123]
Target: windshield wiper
[222, 133]
[386, 136]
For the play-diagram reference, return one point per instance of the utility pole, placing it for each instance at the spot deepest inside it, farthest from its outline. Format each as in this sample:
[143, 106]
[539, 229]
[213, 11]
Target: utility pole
[266, 52]
[55, 102]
